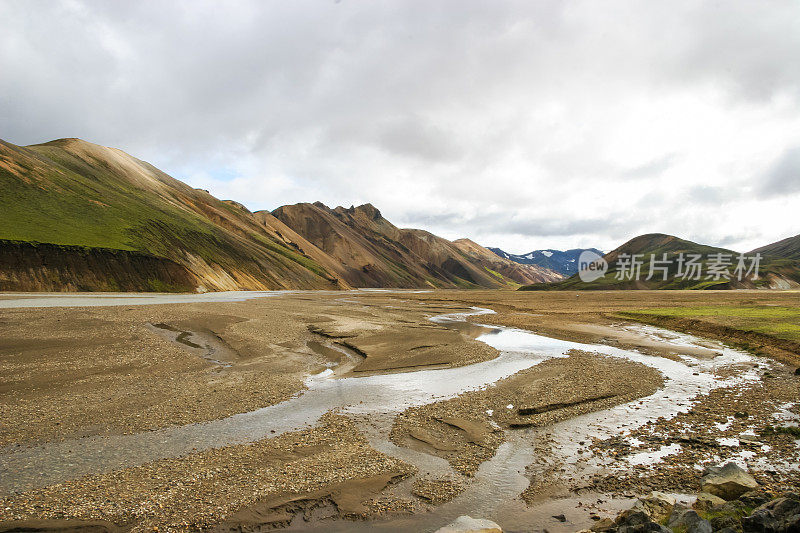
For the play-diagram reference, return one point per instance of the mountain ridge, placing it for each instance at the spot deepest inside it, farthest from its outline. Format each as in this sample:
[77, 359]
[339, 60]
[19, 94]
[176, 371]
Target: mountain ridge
[376, 251]
[85, 202]
[774, 271]
[561, 261]
[504, 266]
[74, 193]
[788, 248]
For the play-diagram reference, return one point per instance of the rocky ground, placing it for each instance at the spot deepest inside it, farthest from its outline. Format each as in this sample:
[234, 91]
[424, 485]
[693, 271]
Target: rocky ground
[736, 422]
[67, 373]
[267, 482]
[731, 501]
[72, 372]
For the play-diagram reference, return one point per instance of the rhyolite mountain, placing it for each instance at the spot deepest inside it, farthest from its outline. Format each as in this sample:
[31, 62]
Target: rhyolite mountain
[562, 261]
[508, 268]
[108, 221]
[374, 252]
[779, 267]
[79, 216]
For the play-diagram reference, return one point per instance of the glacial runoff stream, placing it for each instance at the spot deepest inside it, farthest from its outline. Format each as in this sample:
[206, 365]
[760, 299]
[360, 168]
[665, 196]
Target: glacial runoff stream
[498, 482]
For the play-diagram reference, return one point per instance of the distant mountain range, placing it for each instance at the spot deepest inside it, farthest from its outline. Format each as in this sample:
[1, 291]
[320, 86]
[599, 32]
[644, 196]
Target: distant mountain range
[564, 262]
[779, 267]
[79, 216]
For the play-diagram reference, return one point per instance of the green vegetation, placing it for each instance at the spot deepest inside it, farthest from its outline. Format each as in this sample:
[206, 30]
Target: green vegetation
[792, 431]
[72, 202]
[461, 283]
[729, 514]
[780, 322]
[770, 312]
[157, 285]
[494, 273]
[73, 193]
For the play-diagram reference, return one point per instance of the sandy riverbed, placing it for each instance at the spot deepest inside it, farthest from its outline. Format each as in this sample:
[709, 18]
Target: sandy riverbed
[108, 372]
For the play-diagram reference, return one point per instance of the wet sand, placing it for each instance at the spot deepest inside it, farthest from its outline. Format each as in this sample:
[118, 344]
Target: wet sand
[467, 430]
[264, 483]
[112, 371]
[70, 372]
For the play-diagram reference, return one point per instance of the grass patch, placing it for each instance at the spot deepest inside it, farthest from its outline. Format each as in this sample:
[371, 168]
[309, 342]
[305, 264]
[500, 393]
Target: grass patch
[724, 311]
[792, 431]
[779, 322]
[157, 285]
[496, 274]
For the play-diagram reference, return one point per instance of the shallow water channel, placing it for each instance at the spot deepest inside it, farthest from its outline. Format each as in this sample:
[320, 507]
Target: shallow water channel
[492, 494]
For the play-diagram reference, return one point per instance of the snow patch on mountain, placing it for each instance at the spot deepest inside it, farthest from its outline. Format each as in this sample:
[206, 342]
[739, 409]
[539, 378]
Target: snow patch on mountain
[563, 262]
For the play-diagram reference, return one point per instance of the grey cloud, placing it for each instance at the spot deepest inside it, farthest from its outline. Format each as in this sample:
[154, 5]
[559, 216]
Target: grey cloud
[748, 47]
[510, 103]
[732, 240]
[414, 137]
[711, 195]
[404, 136]
[201, 72]
[784, 175]
[652, 168]
[499, 223]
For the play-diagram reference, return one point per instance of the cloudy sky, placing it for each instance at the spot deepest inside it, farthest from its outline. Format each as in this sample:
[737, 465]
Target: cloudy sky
[523, 125]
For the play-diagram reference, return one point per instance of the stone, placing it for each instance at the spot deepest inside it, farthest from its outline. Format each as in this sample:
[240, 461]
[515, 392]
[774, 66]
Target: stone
[728, 481]
[657, 505]
[727, 515]
[467, 524]
[755, 498]
[688, 520]
[701, 526]
[634, 521]
[706, 501]
[781, 515]
[604, 525]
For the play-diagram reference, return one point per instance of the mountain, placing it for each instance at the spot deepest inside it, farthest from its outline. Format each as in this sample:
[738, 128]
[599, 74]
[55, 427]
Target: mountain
[782, 260]
[373, 252]
[99, 205]
[785, 249]
[519, 272]
[564, 262]
[655, 245]
[80, 216]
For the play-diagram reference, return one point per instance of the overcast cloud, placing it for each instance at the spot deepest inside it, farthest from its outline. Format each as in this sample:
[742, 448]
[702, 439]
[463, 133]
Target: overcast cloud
[519, 124]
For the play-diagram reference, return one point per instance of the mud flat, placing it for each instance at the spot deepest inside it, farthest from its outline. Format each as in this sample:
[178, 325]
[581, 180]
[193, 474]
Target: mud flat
[106, 370]
[467, 430]
[373, 411]
[264, 483]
